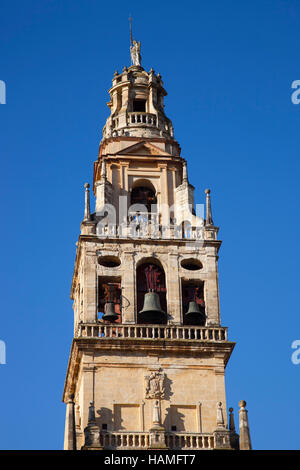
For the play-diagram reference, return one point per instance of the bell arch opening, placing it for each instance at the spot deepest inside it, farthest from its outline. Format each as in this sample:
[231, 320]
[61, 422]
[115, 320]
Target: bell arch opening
[151, 293]
[143, 193]
[193, 306]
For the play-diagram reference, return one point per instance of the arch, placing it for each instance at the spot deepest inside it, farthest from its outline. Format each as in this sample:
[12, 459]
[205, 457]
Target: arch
[193, 290]
[143, 193]
[143, 182]
[150, 277]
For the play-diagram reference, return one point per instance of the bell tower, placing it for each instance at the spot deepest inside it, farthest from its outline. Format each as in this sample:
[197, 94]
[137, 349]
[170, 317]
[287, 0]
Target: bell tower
[148, 358]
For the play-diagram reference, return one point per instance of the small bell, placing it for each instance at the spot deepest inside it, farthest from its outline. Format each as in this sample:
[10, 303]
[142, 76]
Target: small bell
[152, 312]
[194, 316]
[109, 312]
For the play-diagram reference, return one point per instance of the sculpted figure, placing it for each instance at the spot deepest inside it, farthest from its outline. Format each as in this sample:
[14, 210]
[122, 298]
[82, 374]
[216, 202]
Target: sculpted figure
[135, 52]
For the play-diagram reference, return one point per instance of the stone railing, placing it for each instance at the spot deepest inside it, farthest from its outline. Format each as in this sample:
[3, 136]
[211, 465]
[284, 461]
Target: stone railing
[149, 332]
[177, 441]
[124, 440]
[147, 226]
[141, 119]
[141, 440]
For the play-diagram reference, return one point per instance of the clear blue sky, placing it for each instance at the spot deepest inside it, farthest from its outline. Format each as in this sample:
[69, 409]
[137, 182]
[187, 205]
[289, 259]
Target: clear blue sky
[228, 68]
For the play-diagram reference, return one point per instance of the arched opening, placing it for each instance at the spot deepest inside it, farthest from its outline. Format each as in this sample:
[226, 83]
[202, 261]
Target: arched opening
[150, 278]
[193, 305]
[109, 299]
[143, 194]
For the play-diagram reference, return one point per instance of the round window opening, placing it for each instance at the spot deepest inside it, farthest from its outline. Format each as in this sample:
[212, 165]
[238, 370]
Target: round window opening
[109, 261]
[191, 264]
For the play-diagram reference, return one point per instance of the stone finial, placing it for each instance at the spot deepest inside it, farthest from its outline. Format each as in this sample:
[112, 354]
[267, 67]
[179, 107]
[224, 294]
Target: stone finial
[220, 417]
[87, 209]
[92, 416]
[245, 441]
[209, 220]
[234, 437]
[103, 170]
[231, 420]
[184, 173]
[222, 435]
[92, 431]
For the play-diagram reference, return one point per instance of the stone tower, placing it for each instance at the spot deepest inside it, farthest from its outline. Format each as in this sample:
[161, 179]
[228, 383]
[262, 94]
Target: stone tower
[148, 358]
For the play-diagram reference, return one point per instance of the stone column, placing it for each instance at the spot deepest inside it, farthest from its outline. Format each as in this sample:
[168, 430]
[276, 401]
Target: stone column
[245, 441]
[70, 427]
[211, 287]
[89, 287]
[128, 287]
[173, 289]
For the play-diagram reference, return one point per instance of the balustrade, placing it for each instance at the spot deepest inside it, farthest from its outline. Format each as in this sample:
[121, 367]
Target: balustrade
[183, 333]
[141, 440]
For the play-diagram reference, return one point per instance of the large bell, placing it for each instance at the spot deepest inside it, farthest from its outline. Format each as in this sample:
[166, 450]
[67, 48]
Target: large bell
[152, 312]
[109, 312]
[194, 316]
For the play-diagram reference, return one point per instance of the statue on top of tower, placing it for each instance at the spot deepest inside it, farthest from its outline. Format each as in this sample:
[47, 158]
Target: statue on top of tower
[135, 49]
[135, 53]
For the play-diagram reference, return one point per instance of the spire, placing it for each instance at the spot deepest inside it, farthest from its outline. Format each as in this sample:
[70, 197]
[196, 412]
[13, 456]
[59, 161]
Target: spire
[245, 441]
[87, 210]
[209, 220]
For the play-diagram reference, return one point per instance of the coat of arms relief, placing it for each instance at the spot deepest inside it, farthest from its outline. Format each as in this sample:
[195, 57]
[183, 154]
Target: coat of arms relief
[155, 384]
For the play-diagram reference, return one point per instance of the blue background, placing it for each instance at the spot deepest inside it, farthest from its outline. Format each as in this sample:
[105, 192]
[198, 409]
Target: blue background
[228, 68]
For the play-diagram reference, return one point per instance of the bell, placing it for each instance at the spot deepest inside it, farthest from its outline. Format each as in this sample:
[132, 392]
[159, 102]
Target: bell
[194, 316]
[109, 312]
[152, 312]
